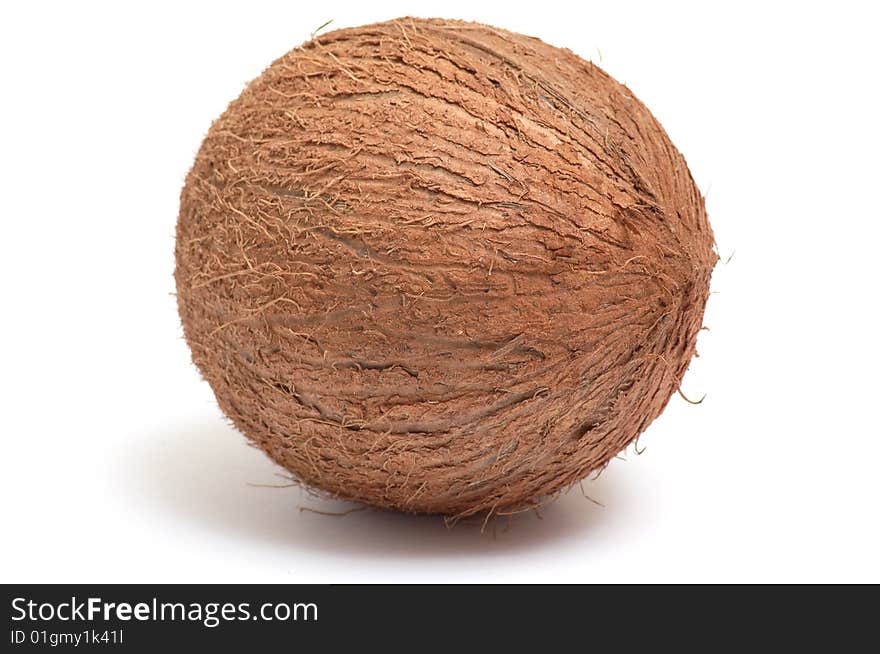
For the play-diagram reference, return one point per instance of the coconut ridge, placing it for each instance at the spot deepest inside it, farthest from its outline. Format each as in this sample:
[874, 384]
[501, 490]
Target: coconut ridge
[440, 267]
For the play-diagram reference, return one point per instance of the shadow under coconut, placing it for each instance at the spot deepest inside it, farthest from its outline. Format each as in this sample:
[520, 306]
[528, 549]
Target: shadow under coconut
[207, 474]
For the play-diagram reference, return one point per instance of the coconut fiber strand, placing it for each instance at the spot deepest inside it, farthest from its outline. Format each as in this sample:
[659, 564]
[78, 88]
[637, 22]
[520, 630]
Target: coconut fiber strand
[440, 267]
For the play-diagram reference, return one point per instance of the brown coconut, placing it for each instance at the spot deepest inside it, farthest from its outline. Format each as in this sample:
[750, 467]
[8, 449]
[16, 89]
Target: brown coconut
[440, 267]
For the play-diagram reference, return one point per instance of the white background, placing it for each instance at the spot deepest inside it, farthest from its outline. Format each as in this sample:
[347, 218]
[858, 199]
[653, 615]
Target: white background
[117, 465]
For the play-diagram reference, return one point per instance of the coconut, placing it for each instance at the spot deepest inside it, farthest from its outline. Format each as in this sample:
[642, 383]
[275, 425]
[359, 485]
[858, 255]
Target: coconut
[440, 267]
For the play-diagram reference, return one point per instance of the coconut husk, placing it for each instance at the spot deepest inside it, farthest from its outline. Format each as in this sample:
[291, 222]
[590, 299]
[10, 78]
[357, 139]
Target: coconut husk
[440, 267]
